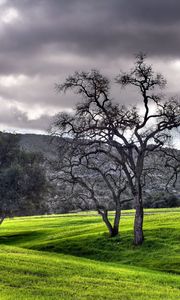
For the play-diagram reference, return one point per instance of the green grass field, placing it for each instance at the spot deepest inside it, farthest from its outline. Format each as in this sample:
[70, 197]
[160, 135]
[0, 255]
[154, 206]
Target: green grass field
[71, 257]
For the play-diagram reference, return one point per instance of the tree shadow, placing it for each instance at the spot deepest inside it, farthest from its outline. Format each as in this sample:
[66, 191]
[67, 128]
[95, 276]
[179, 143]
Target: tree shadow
[158, 251]
[19, 237]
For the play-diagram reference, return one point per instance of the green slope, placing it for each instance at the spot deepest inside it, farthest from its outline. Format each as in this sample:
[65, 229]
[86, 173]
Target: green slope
[71, 257]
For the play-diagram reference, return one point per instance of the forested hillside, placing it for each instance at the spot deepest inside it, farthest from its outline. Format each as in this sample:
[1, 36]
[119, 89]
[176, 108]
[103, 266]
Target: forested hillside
[156, 194]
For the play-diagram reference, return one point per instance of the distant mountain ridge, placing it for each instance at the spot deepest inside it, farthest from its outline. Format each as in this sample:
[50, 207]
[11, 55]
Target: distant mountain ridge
[46, 145]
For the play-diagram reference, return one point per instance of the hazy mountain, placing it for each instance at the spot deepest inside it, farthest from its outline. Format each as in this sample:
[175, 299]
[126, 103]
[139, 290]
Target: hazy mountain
[47, 145]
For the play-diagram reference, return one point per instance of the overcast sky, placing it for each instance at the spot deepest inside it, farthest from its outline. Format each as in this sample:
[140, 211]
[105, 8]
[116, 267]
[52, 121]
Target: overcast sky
[43, 41]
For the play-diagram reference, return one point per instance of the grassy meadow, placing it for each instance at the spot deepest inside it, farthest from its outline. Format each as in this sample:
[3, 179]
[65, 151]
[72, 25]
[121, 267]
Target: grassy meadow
[71, 257]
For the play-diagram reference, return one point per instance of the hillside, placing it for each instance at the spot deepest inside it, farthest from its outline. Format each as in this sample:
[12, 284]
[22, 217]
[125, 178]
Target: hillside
[71, 257]
[47, 145]
[37, 143]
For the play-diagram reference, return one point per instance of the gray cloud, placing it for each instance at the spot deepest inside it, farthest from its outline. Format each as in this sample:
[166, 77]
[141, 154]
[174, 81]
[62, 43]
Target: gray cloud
[87, 27]
[14, 118]
[50, 39]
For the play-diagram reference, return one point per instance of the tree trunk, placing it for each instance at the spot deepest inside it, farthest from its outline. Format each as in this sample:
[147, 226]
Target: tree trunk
[113, 230]
[2, 219]
[108, 224]
[138, 221]
[116, 221]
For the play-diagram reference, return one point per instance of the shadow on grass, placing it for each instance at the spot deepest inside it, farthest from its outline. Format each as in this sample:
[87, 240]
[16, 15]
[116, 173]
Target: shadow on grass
[158, 251]
[19, 237]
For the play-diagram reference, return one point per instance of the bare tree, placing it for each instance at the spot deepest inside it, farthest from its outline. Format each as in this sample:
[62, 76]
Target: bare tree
[131, 134]
[91, 181]
[171, 160]
[161, 178]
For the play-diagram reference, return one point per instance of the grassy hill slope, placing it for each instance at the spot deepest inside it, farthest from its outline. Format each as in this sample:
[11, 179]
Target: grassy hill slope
[71, 257]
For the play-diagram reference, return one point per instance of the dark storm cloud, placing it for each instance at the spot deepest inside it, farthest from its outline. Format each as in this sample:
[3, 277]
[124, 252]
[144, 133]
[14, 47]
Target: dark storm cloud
[87, 27]
[49, 39]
